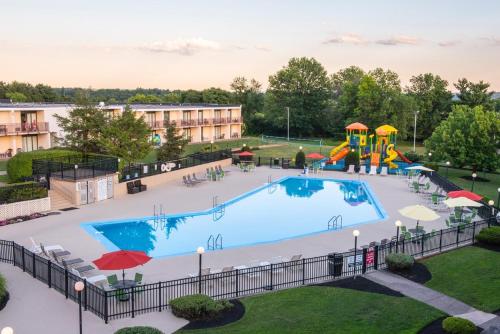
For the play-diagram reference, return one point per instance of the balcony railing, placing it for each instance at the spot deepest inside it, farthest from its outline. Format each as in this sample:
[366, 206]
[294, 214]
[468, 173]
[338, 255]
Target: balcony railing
[23, 128]
[196, 122]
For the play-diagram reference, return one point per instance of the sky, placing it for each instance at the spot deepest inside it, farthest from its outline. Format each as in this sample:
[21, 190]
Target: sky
[201, 44]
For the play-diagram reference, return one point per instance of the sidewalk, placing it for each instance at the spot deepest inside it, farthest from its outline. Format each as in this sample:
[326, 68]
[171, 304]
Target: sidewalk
[433, 298]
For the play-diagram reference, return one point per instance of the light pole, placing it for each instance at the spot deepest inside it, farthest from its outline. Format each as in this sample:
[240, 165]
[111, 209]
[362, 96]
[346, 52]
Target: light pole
[491, 204]
[200, 252]
[211, 145]
[288, 124]
[430, 156]
[415, 132]
[7, 330]
[474, 175]
[79, 286]
[498, 199]
[355, 233]
[447, 166]
[398, 225]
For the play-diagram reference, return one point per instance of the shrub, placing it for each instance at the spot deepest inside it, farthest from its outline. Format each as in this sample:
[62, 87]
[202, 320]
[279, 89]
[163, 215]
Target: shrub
[19, 166]
[138, 330]
[399, 261]
[455, 325]
[490, 236]
[352, 158]
[210, 148]
[300, 159]
[198, 307]
[4, 295]
[245, 148]
[413, 156]
[22, 192]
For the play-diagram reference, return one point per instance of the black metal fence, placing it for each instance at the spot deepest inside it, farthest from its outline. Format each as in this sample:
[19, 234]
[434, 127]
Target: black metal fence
[22, 192]
[113, 304]
[136, 171]
[75, 167]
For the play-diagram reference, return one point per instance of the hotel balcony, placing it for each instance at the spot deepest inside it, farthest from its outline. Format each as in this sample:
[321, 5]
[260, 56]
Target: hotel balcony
[23, 128]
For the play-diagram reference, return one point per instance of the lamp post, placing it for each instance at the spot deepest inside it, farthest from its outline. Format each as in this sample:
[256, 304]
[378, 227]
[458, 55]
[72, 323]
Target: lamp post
[415, 132]
[447, 166]
[79, 286]
[7, 330]
[398, 225]
[211, 145]
[288, 124]
[430, 156]
[491, 204]
[474, 175]
[355, 233]
[498, 199]
[200, 251]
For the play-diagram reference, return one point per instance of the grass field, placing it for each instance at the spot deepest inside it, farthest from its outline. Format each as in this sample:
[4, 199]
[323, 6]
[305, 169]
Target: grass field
[3, 165]
[488, 189]
[321, 309]
[469, 274]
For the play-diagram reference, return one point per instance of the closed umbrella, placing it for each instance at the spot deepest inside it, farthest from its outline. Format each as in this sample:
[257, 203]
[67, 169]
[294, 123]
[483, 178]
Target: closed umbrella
[419, 213]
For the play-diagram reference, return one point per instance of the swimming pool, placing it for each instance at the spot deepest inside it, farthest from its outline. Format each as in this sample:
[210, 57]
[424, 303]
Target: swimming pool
[287, 208]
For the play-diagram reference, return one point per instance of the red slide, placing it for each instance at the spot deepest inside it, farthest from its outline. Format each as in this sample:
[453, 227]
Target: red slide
[402, 157]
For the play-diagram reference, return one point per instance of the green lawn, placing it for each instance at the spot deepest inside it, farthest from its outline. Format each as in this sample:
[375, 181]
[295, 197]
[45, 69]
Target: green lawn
[324, 309]
[470, 274]
[488, 189]
[3, 164]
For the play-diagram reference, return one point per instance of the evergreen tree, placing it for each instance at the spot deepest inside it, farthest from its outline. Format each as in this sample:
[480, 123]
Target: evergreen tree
[173, 146]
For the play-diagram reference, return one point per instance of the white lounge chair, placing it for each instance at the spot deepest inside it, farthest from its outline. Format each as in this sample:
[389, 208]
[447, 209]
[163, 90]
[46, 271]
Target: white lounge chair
[350, 170]
[373, 170]
[383, 171]
[362, 170]
[38, 250]
[204, 271]
[91, 279]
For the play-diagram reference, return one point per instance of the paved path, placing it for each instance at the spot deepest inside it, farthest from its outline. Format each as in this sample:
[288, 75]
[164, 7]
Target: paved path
[433, 298]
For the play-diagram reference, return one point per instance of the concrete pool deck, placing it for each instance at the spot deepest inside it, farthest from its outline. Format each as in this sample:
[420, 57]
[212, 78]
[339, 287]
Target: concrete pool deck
[64, 229]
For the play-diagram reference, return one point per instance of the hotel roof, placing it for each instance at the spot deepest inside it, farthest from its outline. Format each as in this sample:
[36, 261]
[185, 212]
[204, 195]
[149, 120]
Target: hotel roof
[149, 106]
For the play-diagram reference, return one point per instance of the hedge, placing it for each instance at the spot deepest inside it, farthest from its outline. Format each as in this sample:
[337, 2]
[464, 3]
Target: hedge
[300, 159]
[490, 236]
[139, 330]
[399, 261]
[198, 307]
[19, 166]
[22, 192]
[455, 325]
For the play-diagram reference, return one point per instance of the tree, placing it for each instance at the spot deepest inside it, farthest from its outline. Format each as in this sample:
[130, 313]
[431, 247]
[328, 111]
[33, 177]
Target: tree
[142, 98]
[173, 146]
[474, 94]
[251, 99]
[303, 86]
[192, 96]
[216, 95]
[83, 126]
[433, 101]
[468, 137]
[172, 97]
[16, 97]
[126, 136]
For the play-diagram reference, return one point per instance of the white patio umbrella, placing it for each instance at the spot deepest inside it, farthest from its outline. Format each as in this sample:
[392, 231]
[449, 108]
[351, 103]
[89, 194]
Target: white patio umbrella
[419, 213]
[461, 202]
[426, 169]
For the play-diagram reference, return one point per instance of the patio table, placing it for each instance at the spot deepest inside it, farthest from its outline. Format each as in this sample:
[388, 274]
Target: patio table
[124, 284]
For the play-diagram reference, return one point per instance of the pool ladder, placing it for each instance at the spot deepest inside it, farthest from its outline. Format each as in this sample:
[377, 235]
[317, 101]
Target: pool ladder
[272, 186]
[335, 222]
[218, 209]
[214, 242]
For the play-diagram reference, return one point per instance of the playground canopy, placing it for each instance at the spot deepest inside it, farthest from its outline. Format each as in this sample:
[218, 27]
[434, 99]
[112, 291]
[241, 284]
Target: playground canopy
[356, 126]
[385, 130]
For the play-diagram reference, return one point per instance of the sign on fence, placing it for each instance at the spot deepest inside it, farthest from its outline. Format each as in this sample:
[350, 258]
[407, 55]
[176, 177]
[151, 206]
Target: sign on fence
[370, 257]
[359, 260]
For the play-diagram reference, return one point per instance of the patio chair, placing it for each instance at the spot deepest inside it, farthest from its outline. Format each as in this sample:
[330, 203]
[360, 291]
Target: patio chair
[373, 170]
[384, 171]
[192, 181]
[66, 263]
[351, 170]
[112, 279]
[131, 188]
[82, 269]
[138, 184]
[186, 182]
[415, 187]
[362, 170]
[91, 279]
[59, 253]
[38, 250]
[197, 179]
[138, 278]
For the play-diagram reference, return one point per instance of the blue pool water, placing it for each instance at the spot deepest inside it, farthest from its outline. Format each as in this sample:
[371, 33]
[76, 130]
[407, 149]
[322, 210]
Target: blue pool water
[288, 208]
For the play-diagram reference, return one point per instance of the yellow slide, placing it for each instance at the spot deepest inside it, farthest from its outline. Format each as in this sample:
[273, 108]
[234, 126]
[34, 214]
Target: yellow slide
[392, 154]
[335, 150]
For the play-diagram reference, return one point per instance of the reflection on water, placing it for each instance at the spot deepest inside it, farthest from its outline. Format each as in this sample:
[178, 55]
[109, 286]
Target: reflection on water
[302, 187]
[354, 193]
[139, 236]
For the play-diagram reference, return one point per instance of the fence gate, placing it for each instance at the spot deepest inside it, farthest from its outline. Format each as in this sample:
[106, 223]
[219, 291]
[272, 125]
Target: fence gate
[86, 189]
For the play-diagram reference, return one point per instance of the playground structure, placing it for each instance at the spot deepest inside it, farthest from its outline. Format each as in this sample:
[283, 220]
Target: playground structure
[375, 149]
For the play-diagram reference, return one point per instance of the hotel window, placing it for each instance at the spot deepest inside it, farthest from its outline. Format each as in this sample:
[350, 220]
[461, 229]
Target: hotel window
[28, 120]
[151, 118]
[30, 143]
[186, 115]
[166, 117]
[200, 116]
[217, 132]
[187, 134]
[230, 115]
[217, 114]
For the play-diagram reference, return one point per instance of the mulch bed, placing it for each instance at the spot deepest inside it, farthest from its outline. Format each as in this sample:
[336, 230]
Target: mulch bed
[418, 273]
[494, 248]
[234, 314]
[4, 300]
[478, 178]
[436, 327]
[362, 284]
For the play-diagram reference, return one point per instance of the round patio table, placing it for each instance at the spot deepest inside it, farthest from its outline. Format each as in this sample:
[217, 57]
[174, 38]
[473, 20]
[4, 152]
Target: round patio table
[124, 284]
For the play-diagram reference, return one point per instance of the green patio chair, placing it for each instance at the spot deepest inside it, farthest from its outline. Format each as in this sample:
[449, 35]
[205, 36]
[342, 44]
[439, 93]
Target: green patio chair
[403, 229]
[416, 187]
[474, 213]
[138, 278]
[112, 279]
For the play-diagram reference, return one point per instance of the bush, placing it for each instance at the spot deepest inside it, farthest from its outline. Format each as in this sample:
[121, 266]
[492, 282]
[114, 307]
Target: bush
[300, 159]
[489, 236]
[245, 148]
[455, 325]
[4, 295]
[399, 261]
[352, 158]
[198, 307]
[138, 330]
[413, 156]
[19, 166]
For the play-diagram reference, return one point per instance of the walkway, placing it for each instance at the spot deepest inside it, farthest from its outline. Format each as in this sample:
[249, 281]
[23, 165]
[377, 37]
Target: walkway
[433, 298]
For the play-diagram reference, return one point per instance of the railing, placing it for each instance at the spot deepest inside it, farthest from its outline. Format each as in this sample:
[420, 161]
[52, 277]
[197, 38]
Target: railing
[195, 122]
[22, 192]
[235, 283]
[136, 171]
[20, 128]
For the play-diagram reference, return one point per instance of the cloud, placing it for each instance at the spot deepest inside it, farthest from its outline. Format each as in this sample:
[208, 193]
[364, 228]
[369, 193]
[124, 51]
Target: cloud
[493, 41]
[185, 47]
[447, 44]
[399, 40]
[347, 39]
[262, 48]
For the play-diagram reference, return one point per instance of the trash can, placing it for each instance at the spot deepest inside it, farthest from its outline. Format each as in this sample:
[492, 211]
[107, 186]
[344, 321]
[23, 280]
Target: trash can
[335, 264]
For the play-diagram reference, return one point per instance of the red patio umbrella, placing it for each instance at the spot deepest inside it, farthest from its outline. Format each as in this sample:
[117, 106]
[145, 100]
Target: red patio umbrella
[122, 259]
[315, 156]
[465, 193]
[246, 154]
